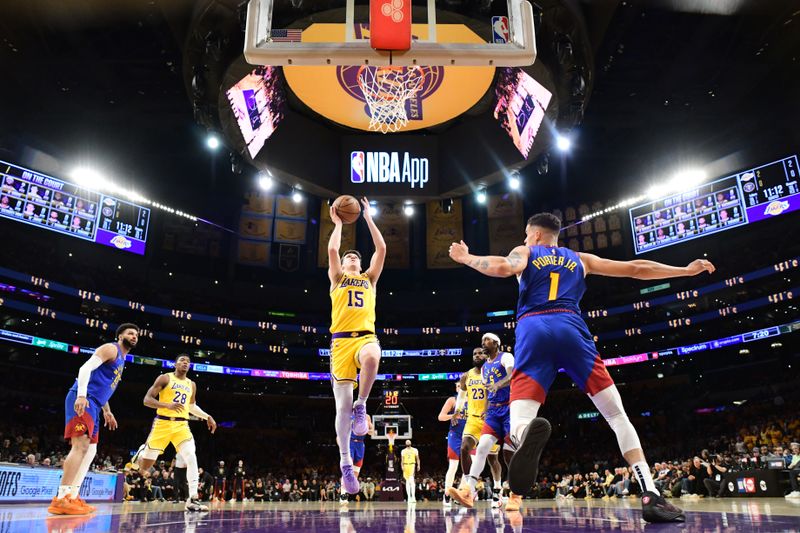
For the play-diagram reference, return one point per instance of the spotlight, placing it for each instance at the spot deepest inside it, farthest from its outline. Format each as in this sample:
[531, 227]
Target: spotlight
[514, 182]
[373, 210]
[297, 197]
[264, 181]
[212, 141]
[481, 196]
[563, 143]
[688, 179]
[88, 178]
[408, 210]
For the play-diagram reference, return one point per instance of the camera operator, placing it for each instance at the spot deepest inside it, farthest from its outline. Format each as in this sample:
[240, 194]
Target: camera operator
[714, 483]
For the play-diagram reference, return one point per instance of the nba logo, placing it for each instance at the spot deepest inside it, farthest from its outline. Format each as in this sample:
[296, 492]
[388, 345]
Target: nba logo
[357, 167]
[500, 30]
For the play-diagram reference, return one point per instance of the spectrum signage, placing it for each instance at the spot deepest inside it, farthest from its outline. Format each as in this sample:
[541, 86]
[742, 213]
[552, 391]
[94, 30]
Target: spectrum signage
[397, 167]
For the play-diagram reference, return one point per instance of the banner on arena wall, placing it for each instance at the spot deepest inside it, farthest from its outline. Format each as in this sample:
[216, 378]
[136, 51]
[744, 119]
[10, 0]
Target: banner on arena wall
[292, 231]
[255, 253]
[325, 229]
[503, 205]
[255, 227]
[25, 483]
[259, 203]
[443, 229]
[394, 228]
[506, 227]
[288, 208]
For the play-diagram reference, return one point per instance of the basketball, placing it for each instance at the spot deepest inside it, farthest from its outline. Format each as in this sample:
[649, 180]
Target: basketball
[348, 208]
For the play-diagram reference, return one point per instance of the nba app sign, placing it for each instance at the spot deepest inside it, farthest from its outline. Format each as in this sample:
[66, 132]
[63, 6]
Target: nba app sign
[400, 168]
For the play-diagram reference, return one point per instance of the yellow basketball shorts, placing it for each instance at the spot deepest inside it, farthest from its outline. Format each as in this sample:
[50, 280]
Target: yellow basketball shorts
[165, 432]
[473, 429]
[408, 470]
[344, 357]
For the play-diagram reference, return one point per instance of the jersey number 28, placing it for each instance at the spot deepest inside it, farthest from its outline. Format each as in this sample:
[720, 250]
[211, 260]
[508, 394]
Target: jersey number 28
[179, 397]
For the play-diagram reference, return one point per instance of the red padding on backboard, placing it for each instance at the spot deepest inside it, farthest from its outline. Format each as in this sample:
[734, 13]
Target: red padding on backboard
[390, 24]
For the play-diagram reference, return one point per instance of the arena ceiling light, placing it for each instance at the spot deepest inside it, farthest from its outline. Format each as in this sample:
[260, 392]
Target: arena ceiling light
[563, 143]
[408, 210]
[264, 181]
[297, 196]
[212, 141]
[514, 183]
[373, 209]
[94, 180]
[481, 195]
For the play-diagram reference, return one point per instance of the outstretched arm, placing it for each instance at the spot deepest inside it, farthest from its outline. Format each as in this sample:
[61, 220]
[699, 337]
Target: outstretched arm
[491, 265]
[335, 242]
[642, 269]
[444, 414]
[376, 263]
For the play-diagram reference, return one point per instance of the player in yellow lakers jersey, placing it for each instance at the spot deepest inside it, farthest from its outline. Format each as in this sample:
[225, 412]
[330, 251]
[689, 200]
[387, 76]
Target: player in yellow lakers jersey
[354, 345]
[410, 462]
[173, 396]
[477, 399]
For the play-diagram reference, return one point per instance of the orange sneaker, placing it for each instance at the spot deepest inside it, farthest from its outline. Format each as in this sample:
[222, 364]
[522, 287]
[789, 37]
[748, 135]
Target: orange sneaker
[514, 502]
[463, 496]
[514, 519]
[66, 505]
[89, 508]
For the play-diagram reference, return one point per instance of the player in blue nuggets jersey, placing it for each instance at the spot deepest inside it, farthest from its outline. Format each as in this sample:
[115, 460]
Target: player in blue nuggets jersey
[496, 374]
[454, 411]
[551, 334]
[97, 380]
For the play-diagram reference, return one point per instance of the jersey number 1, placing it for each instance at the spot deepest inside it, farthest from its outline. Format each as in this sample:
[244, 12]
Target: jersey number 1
[553, 286]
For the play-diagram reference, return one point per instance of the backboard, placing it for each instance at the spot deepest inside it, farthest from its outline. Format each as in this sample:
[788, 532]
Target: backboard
[400, 423]
[262, 47]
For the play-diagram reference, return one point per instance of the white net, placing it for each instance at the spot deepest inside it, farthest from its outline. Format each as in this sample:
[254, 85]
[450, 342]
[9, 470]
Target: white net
[386, 91]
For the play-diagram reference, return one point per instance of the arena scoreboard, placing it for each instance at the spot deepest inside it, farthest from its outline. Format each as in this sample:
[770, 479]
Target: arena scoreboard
[391, 400]
[752, 195]
[53, 204]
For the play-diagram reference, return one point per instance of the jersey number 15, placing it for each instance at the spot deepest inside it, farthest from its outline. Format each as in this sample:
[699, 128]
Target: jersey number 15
[355, 299]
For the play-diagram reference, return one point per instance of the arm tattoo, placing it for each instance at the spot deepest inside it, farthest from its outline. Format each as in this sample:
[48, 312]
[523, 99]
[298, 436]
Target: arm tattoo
[479, 264]
[514, 259]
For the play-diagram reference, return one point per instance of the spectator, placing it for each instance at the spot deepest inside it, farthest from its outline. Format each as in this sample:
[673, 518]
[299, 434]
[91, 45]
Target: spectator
[369, 488]
[794, 470]
[716, 470]
[692, 483]
[259, 491]
[205, 484]
[30, 460]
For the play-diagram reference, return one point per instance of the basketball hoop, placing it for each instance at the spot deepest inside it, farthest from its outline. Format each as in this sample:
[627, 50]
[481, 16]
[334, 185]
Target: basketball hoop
[386, 91]
[391, 435]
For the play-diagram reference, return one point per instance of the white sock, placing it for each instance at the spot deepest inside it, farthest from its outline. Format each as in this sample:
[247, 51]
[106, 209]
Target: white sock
[479, 461]
[472, 482]
[522, 412]
[450, 476]
[343, 395]
[64, 490]
[498, 485]
[642, 472]
[83, 469]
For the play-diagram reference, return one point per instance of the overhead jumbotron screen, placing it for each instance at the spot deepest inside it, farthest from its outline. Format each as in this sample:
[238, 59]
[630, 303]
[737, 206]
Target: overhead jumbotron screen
[53, 204]
[258, 101]
[755, 194]
[521, 105]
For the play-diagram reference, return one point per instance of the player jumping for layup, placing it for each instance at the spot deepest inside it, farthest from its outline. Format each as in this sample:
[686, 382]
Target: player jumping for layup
[97, 380]
[353, 341]
[174, 396]
[551, 334]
